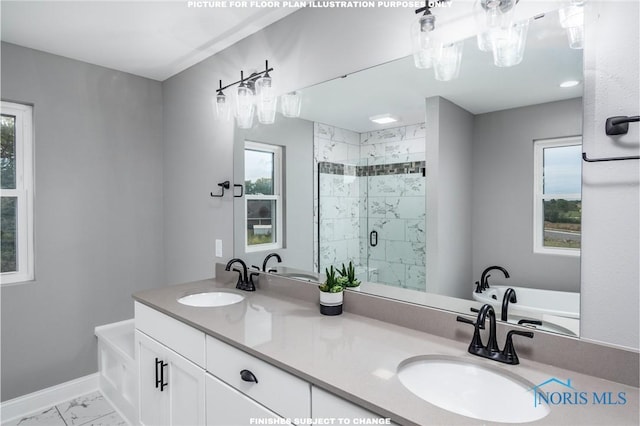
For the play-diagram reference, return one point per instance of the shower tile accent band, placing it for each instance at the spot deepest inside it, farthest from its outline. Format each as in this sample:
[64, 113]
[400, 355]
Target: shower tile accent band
[371, 170]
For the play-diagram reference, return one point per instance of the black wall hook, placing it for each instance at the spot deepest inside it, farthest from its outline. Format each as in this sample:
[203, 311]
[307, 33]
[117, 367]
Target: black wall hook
[224, 185]
[236, 185]
[619, 125]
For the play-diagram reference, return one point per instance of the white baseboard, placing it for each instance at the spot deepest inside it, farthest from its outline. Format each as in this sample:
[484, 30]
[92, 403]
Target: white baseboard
[46, 398]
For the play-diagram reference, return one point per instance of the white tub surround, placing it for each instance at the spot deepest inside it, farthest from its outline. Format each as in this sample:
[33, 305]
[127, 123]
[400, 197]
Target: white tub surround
[291, 335]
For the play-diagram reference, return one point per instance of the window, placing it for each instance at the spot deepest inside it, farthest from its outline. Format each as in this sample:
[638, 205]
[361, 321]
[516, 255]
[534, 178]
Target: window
[557, 196]
[16, 177]
[263, 202]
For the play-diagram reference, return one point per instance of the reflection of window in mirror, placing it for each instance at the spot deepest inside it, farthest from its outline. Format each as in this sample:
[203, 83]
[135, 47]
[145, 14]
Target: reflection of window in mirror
[263, 202]
[557, 196]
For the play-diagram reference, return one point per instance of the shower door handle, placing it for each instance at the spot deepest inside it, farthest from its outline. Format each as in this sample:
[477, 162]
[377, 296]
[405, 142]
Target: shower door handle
[373, 238]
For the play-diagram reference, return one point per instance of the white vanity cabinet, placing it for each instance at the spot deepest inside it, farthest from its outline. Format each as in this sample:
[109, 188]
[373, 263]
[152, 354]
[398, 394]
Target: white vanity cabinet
[171, 375]
[172, 388]
[227, 406]
[283, 394]
[326, 405]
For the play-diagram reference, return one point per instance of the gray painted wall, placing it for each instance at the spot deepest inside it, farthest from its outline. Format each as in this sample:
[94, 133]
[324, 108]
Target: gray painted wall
[610, 191]
[448, 197]
[296, 136]
[503, 199]
[98, 213]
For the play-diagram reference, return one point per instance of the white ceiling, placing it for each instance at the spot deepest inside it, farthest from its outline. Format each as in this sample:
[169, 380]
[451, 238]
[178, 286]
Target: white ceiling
[153, 39]
[399, 88]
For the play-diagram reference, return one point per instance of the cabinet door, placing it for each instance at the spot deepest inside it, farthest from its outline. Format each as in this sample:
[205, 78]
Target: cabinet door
[153, 405]
[186, 386]
[229, 407]
[325, 405]
[172, 389]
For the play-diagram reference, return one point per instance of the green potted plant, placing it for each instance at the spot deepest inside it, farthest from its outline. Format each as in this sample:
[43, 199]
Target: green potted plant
[331, 294]
[348, 276]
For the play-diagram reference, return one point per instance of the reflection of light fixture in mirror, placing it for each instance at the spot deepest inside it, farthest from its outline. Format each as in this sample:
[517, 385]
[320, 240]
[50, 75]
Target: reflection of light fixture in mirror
[383, 118]
[244, 105]
[495, 14]
[509, 43]
[291, 103]
[223, 109]
[572, 19]
[446, 60]
[420, 37]
[266, 99]
[569, 83]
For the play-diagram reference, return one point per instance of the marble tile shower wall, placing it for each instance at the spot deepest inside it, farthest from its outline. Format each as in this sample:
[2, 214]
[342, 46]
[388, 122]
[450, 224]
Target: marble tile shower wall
[395, 206]
[364, 195]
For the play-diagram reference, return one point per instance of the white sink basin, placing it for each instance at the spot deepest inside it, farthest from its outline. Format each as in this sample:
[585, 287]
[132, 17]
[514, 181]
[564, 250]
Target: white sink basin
[472, 390]
[211, 299]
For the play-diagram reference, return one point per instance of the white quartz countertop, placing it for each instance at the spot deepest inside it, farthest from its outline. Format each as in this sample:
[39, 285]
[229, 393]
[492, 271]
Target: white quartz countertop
[357, 357]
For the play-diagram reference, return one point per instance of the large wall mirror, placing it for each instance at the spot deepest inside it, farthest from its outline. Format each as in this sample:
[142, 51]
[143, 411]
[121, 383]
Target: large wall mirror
[476, 172]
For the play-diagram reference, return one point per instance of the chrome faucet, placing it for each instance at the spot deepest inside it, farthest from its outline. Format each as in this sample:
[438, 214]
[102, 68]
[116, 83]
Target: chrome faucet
[266, 259]
[244, 282]
[509, 297]
[491, 350]
[484, 279]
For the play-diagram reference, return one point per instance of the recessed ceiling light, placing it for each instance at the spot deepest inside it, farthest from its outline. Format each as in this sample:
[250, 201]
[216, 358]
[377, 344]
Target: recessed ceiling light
[383, 118]
[569, 83]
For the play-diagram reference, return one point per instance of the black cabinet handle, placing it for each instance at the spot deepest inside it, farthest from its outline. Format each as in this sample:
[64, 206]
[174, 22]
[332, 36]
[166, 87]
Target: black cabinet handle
[373, 238]
[160, 377]
[248, 376]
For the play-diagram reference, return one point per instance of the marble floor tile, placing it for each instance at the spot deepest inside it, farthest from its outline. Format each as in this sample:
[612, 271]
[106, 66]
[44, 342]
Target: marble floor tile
[88, 410]
[85, 409]
[48, 417]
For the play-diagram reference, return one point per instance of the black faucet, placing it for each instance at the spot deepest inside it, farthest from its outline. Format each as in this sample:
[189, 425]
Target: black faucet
[266, 259]
[491, 350]
[484, 279]
[509, 296]
[244, 282]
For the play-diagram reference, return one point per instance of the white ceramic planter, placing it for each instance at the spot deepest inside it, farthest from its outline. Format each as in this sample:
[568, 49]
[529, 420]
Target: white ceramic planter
[331, 303]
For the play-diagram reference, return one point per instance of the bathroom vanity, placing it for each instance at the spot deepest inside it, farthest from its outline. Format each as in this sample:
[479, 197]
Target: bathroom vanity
[273, 356]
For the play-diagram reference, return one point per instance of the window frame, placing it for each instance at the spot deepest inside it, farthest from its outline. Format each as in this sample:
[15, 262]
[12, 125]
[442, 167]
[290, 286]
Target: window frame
[24, 193]
[539, 146]
[278, 188]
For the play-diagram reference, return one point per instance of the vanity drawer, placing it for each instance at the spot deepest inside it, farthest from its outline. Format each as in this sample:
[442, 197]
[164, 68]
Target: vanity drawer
[281, 392]
[182, 338]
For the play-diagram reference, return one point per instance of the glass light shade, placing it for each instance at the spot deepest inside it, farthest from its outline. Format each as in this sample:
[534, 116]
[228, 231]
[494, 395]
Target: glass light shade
[509, 44]
[492, 15]
[572, 18]
[223, 109]
[447, 60]
[291, 103]
[244, 107]
[421, 41]
[266, 100]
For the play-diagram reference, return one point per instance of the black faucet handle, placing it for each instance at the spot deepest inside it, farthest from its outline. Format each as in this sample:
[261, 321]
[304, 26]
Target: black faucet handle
[529, 321]
[474, 310]
[508, 354]
[256, 267]
[466, 320]
[478, 287]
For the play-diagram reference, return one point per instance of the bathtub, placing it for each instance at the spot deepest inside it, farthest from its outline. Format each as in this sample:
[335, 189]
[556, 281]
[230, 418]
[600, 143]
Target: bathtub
[562, 304]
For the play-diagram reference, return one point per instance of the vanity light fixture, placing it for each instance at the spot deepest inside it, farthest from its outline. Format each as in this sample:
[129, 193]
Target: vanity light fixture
[572, 19]
[421, 37]
[253, 92]
[383, 118]
[569, 83]
[495, 14]
[291, 103]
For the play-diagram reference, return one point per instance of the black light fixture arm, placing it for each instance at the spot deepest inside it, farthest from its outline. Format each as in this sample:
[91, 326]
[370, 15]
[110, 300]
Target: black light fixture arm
[252, 77]
[426, 9]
